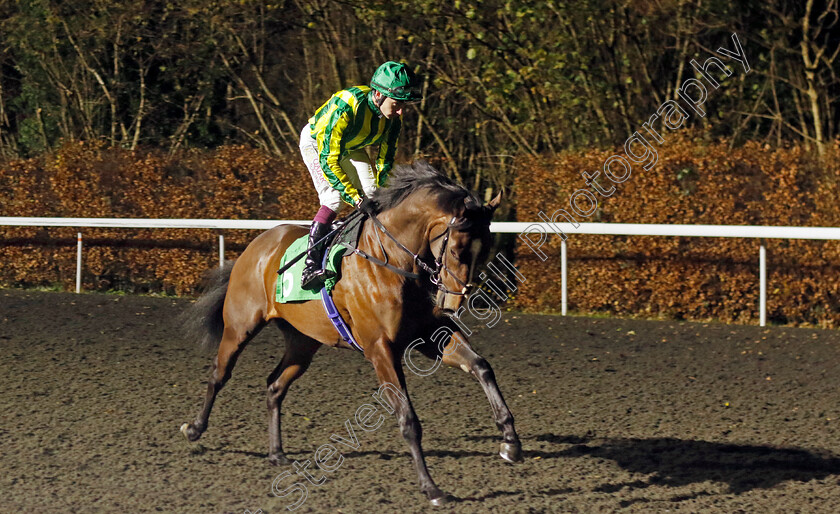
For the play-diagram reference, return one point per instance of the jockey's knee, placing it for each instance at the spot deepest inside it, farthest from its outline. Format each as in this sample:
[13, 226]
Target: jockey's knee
[331, 201]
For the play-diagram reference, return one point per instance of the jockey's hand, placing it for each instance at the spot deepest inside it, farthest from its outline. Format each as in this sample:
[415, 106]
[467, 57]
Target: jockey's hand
[366, 205]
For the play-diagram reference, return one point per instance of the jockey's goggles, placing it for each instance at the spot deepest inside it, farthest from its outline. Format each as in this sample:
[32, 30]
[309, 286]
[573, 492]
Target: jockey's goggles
[407, 94]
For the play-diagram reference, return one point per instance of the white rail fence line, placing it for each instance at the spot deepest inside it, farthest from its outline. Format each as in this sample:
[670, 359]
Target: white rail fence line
[542, 229]
[143, 223]
[627, 229]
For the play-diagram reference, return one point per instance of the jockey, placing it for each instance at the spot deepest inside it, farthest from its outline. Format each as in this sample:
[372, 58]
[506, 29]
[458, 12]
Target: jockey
[333, 147]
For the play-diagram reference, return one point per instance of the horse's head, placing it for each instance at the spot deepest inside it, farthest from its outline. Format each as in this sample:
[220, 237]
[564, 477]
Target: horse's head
[455, 237]
[460, 244]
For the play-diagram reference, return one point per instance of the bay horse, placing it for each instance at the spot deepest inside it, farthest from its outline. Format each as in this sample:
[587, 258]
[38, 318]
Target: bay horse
[433, 233]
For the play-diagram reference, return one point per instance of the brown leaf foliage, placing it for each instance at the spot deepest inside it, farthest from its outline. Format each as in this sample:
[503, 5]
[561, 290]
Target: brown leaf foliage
[674, 277]
[689, 277]
[90, 180]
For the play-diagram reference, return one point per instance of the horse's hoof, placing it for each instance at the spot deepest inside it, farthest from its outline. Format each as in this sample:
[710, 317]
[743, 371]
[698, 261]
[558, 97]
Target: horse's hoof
[279, 460]
[190, 432]
[511, 452]
[440, 500]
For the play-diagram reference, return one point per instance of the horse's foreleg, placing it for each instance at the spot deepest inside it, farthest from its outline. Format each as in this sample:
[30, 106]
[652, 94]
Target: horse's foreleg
[459, 354]
[299, 352]
[391, 378]
[233, 342]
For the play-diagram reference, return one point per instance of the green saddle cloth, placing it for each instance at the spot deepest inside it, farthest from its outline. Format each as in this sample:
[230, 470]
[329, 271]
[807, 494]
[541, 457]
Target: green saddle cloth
[288, 284]
[288, 288]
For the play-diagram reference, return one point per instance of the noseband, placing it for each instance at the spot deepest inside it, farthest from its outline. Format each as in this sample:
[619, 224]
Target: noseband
[433, 271]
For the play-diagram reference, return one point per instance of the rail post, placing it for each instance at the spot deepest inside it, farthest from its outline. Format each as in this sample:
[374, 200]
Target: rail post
[221, 251]
[762, 288]
[563, 294]
[78, 262]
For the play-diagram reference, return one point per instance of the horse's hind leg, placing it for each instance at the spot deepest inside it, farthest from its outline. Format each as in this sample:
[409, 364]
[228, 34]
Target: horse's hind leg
[459, 354]
[233, 342]
[299, 352]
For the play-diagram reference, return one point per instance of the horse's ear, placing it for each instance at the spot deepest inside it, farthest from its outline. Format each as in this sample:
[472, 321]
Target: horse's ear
[495, 202]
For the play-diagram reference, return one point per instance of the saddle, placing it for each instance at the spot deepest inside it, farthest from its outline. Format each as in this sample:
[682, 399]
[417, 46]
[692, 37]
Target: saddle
[288, 282]
[348, 237]
[288, 288]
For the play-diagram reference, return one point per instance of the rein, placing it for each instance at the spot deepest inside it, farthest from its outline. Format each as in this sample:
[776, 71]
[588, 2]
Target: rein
[434, 272]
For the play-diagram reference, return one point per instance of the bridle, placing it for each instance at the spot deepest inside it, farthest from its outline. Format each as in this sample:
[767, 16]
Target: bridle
[434, 271]
[440, 265]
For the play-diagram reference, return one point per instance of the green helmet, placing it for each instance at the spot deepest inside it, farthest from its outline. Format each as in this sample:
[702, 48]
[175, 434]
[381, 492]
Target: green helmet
[396, 80]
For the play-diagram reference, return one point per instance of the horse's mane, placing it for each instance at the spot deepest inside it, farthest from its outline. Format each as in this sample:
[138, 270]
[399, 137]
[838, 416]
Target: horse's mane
[407, 178]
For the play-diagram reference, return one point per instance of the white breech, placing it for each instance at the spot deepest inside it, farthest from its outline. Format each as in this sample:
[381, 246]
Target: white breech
[356, 164]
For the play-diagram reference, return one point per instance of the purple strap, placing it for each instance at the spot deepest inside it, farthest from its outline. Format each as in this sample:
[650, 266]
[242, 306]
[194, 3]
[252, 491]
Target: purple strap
[337, 320]
[334, 315]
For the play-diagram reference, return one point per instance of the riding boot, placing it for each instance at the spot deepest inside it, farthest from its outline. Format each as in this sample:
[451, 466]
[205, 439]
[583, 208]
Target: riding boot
[314, 275]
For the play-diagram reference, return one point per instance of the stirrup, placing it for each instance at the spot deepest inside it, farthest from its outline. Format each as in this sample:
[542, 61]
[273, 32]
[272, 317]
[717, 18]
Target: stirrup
[315, 279]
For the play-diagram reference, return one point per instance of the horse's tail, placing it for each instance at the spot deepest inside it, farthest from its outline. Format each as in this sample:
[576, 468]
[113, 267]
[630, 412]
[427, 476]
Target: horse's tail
[203, 319]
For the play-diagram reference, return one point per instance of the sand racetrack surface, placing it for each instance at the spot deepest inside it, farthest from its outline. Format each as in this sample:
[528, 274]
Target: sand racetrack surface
[614, 415]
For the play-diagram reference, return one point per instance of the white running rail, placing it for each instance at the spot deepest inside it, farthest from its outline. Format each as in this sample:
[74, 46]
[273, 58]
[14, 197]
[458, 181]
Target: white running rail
[534, 235]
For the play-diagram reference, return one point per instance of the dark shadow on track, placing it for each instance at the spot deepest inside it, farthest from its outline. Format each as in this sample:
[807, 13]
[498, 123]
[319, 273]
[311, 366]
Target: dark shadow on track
[675, 462]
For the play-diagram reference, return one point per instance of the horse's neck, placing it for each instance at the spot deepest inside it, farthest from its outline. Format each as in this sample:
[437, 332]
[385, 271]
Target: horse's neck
[410, 226]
